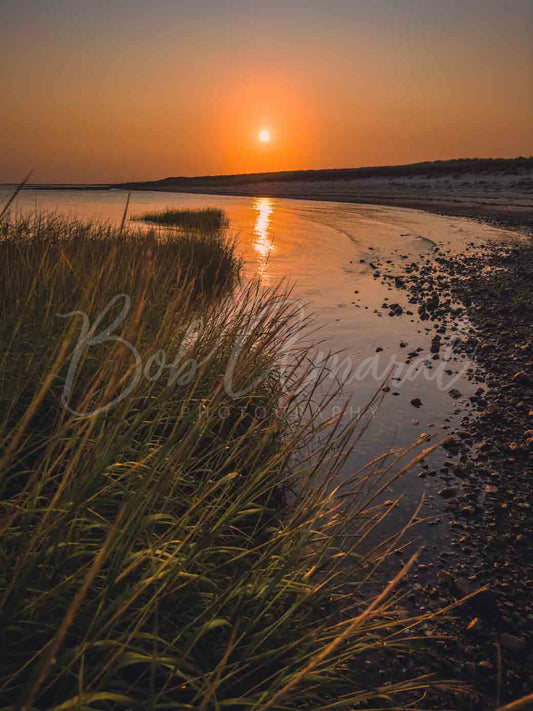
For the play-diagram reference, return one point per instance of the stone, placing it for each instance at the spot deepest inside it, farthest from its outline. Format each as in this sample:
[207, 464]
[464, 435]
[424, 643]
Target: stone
[522, 378]
[449, 492]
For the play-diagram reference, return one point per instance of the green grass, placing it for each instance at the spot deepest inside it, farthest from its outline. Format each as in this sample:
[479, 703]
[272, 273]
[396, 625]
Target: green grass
[206, 219]
[186, 548]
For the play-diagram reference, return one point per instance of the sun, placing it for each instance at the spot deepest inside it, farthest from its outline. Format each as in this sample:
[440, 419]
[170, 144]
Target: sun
[264, 136]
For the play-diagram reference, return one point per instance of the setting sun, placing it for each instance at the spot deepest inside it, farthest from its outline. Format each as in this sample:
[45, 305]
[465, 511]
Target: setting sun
[301, 232]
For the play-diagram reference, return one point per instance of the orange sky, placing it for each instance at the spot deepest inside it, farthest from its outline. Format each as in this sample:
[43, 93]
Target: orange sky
[131, 90]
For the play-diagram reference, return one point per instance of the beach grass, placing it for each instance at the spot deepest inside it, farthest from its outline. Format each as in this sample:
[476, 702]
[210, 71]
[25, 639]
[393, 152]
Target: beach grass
[174, 534]
[203, 219]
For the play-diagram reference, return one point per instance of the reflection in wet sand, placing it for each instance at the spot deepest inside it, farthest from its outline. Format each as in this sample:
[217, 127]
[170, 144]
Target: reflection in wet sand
[263, 243]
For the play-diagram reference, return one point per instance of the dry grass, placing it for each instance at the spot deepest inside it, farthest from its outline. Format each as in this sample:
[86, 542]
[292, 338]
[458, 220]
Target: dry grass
[186, 548]
[207, 219]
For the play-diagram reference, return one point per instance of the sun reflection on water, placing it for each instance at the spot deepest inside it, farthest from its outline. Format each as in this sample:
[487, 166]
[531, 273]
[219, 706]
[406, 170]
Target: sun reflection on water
[263, 243]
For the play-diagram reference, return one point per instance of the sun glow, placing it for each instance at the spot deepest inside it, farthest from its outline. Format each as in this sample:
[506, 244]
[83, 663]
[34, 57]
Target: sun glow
[264, 136]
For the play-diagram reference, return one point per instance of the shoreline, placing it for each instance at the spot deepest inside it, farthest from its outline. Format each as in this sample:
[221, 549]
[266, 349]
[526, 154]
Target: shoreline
[498, 191]
[497, 217]
[487, 479]
[518, 219]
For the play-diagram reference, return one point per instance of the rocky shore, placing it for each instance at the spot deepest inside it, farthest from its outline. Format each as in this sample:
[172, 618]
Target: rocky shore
[487, 477]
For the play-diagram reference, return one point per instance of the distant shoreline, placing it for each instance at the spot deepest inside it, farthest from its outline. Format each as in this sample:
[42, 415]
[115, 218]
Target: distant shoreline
[511, 217]
[494, 190]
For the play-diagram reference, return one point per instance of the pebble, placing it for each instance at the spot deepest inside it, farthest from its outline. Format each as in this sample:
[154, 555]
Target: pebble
[448, 493]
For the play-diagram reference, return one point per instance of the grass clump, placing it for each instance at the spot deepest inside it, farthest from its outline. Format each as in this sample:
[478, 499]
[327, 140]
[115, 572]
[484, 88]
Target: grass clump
[171, 538]
[207, 261]
[205, 219]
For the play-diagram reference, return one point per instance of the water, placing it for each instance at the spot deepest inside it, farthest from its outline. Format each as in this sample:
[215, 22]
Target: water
[317, 246]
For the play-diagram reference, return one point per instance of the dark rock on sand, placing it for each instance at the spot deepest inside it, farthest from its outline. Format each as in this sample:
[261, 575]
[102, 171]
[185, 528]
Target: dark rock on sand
[448, 493]
[523, 379]
[490, 514]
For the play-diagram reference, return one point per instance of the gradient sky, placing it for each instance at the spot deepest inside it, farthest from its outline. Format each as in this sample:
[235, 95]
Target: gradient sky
[125, 90]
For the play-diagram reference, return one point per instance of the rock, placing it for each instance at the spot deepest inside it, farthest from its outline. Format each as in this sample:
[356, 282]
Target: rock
[449, 492]
[432, 303]
[523, 379]
[451, 445]
[416, 402]
[435, 344]
[395, 310]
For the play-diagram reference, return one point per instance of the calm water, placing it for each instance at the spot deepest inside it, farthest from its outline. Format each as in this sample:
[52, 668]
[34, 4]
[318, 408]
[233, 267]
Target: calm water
[317, 247]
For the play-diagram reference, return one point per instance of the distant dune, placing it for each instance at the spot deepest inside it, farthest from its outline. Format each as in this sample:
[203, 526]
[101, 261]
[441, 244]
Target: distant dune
[499, 189]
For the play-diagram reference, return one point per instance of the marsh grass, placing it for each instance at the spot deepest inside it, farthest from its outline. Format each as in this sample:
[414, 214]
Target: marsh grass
[203, 219]
[186, 548]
